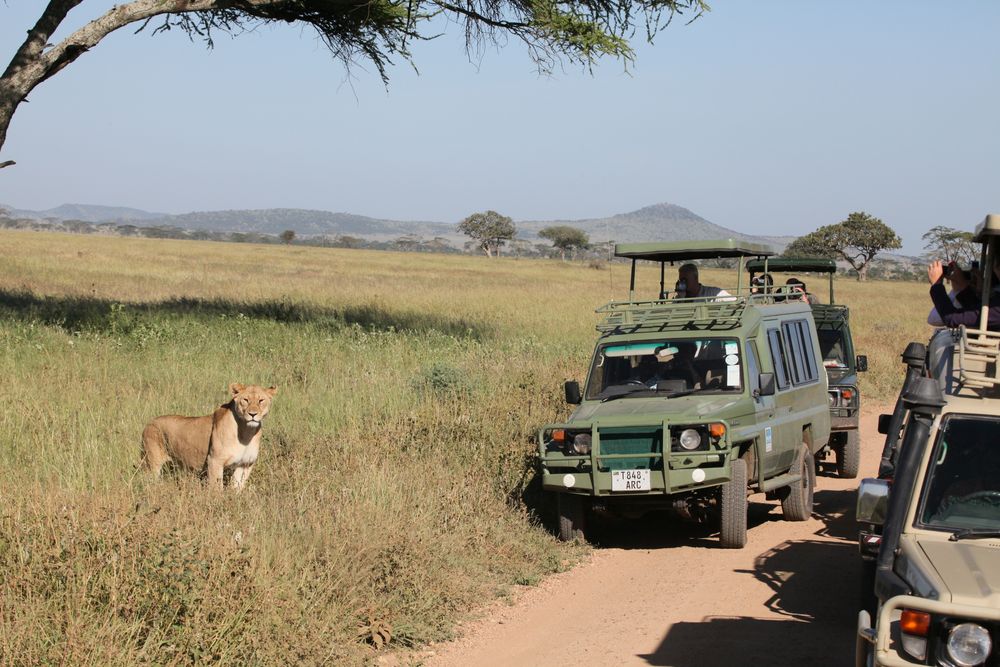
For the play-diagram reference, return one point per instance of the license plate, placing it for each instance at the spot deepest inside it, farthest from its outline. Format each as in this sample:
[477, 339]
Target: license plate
[630, 480]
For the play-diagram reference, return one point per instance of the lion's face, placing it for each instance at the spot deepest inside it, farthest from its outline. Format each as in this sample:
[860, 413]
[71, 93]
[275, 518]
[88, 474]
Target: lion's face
[251, 403]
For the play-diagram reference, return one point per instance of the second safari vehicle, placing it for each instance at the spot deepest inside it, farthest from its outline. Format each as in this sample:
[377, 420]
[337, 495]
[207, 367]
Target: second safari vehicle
[692, 404]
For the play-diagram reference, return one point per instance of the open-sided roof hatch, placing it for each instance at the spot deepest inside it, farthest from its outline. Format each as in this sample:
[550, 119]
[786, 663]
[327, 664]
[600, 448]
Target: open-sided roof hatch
[793, 265]
[678, 251]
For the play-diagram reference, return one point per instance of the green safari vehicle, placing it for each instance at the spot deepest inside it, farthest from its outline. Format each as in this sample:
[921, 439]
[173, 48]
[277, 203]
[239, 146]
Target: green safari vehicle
[692, 404]
[833, 327]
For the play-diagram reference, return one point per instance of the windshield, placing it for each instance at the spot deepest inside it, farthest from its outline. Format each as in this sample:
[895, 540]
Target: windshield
[833, 347]
[962, 488]
[670, 366]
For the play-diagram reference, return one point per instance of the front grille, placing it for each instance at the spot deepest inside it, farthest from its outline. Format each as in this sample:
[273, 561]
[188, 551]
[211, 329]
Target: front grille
[631, 440]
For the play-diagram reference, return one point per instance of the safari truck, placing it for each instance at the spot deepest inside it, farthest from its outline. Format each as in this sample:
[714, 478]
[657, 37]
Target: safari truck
[833, 327]
[691, 404]
[933, 515]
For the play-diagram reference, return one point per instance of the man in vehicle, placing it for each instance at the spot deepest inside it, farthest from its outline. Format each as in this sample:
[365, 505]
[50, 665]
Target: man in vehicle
[688, 286]
[968, 311]
[798, 290]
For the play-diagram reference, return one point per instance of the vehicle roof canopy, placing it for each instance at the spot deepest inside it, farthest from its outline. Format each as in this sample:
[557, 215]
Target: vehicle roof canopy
[988, 228]
[685, 250]
[793, 265]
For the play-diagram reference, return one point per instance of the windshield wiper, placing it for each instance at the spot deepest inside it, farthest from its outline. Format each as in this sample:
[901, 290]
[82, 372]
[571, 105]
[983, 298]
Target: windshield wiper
[969, 533]
[632, 390]
[629, 389]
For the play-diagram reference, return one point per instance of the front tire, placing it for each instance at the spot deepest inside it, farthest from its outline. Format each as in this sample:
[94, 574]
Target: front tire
[798, 504]
[733, 508]
[572, 517]
[849, 456]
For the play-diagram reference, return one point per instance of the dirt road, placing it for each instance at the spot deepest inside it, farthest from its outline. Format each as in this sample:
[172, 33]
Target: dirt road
[665, 594]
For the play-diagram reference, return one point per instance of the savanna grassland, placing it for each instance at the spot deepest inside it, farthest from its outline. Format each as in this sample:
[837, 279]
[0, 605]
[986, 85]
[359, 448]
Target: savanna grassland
[394, 491]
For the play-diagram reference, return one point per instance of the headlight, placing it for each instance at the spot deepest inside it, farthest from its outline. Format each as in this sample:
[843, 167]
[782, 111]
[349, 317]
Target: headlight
[581, 443]
[833, 399]
[690, 439]
[969, 645]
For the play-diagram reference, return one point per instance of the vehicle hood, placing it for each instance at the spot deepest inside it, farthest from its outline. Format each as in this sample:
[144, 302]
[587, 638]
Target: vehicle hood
[842, 377]
[970, 569]
[658, 408]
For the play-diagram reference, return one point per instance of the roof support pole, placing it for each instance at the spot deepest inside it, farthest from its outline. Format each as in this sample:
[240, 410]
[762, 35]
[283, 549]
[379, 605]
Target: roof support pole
[631, 284]
[663, 269]
[990, 257]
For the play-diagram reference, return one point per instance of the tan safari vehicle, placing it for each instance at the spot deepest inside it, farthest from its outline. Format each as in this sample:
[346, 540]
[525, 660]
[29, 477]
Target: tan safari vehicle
[933, 516]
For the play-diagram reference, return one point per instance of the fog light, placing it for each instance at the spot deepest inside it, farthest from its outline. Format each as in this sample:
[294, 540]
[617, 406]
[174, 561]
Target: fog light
[581, 443]
[690, 439]
[969, 645]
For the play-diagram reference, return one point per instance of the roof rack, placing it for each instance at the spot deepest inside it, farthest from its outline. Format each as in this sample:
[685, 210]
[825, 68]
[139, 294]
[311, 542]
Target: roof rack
[978, 354]
[628, 317]
[827, 312]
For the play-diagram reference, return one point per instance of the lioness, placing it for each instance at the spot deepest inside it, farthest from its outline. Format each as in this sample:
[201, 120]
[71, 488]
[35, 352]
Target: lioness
[229, 438]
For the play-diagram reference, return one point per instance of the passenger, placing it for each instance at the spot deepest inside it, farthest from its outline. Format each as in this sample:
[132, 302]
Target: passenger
[968, 311]
[762, 284]
[960, 280]
[797, 291]
[688, 286]
[680, 366]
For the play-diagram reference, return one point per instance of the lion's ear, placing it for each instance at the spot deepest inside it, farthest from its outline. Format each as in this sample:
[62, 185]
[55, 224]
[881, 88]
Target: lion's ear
[235, 388]
[272, 390]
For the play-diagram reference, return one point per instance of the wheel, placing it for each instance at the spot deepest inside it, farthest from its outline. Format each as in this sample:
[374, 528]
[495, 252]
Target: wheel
[849, 456]
[733, 508]
[797, 505]
[572, 517]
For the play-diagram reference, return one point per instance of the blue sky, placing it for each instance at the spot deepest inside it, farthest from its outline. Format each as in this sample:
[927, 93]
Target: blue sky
[765, 117]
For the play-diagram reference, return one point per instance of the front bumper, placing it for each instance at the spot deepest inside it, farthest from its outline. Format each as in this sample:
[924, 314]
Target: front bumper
[670, 471]
[883, 639]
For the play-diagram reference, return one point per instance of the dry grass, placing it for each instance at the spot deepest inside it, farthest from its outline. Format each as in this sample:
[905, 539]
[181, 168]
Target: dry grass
[394, 490]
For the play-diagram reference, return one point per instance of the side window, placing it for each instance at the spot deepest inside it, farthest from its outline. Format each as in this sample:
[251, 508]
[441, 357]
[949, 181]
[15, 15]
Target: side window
[809, 354]
[753, 366]
[778, 356]
[800, 359]
[793, 347]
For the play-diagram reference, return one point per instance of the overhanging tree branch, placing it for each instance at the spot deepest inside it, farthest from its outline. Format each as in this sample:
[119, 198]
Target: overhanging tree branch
[375, 30]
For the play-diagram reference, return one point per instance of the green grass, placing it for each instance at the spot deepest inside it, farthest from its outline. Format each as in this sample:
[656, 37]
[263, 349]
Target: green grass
[394, 491]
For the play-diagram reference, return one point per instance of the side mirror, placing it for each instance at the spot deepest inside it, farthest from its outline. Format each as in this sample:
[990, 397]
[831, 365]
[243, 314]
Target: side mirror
[873, 500]
[572, 389]
[883, 424]
[766, 384]
[861, 363]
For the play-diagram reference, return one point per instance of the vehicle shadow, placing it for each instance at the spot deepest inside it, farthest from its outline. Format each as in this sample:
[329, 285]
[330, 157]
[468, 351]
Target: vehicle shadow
[814, 592]
[83, 313]
[664, 530]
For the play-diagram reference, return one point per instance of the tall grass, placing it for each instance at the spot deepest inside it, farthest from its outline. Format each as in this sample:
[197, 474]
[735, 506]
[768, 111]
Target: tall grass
[394, 490]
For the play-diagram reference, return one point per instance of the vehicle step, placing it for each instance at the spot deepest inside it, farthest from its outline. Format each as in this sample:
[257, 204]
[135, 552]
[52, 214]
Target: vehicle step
[787, 479]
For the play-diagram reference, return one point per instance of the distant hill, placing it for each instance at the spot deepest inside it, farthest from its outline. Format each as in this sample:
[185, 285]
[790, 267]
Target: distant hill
[86, 213]
[659, 222]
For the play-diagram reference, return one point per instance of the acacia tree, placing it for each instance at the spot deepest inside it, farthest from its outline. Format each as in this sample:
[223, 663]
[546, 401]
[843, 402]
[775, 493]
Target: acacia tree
[856, 240]
[374, 31]
[490, 230]
[950, 244]
[288, 236]
[565, 238]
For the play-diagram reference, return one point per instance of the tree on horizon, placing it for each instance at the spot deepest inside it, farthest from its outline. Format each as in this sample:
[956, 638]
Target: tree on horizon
[856, 240]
